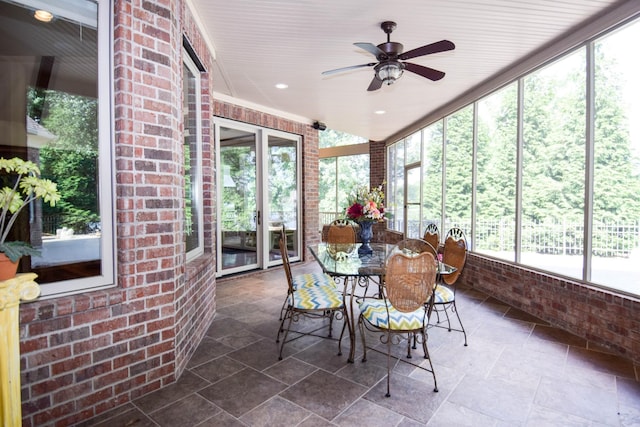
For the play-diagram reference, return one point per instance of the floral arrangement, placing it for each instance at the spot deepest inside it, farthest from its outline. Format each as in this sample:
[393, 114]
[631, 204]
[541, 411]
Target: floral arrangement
[366, 205]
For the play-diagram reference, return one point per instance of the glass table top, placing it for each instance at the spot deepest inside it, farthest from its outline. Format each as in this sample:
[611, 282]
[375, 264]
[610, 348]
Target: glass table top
[351, 264]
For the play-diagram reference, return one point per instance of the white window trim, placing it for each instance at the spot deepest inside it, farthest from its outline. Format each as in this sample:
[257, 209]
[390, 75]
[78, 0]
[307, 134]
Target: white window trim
[198, 250]
[106, 167]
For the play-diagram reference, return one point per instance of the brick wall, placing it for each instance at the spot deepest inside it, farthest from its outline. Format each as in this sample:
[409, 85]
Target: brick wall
[602, 317]
[84, 354]
[377, 162]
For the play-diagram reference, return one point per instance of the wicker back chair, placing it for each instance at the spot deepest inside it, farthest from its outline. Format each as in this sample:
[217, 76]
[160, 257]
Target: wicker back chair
[455, 255]
[341, 238]
[404, 308]
[432, 235]
[416, 246]
[311, 301]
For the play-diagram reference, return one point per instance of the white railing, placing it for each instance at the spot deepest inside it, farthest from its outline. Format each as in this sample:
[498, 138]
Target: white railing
[610, 239]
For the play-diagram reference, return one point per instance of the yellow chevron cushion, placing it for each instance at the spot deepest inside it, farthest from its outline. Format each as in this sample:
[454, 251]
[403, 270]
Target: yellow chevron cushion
[443, 295]
[316, 298]
[312, 279]
[375, 312]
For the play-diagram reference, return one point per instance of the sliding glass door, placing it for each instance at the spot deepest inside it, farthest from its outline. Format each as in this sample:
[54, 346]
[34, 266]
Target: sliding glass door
[282, 177]
[238, 200]
[258, 179]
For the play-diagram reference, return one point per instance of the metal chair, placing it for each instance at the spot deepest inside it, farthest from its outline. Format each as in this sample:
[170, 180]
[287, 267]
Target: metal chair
[416, 246]
[405, 306]
[432, 235]
[341, 238]
[318, 302]
[304, 280]
[455, 255]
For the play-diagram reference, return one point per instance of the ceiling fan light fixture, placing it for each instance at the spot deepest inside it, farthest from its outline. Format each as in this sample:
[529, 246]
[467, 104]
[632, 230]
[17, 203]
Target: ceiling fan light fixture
[389, 72]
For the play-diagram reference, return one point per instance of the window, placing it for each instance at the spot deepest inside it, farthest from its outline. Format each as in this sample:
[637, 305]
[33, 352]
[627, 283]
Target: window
[55, 112]
[395, 186]
[553, 166]
[432, 176]
[495, 226]
[193, 206]
[343, 164]
[458, 169]
[616, 208]
[333, 138]
[547, 169]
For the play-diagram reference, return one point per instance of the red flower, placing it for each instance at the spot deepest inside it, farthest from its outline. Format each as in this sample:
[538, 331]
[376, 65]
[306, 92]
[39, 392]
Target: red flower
[355, 211]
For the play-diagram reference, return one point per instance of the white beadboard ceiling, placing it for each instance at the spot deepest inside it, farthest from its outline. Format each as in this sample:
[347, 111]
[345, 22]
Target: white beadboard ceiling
[259, 43]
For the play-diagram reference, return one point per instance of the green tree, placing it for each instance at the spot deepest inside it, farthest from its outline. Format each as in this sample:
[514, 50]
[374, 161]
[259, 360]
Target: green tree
[71, 159]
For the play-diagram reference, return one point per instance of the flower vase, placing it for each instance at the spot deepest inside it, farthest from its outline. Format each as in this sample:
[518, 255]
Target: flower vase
[366, 234]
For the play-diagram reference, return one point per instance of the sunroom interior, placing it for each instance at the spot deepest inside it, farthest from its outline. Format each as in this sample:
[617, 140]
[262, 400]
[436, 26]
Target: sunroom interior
[187, 136]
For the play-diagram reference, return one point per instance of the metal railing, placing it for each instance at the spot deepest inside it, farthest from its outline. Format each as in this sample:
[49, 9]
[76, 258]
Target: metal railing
[609, 239]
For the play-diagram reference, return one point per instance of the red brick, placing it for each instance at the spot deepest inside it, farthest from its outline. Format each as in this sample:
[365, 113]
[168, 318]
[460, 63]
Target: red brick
[70, 364]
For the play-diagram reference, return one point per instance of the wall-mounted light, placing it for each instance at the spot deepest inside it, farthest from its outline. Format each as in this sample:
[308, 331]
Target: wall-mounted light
[319, 125]
[43, 15]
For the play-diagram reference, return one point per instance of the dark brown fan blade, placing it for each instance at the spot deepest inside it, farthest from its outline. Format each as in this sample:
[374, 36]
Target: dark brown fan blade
[427, 72]
[375, 84]
[441, 46]
[372, 49]
[353, 67]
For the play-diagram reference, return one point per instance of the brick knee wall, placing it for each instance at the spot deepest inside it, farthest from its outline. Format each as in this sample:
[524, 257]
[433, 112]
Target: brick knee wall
[600, 316]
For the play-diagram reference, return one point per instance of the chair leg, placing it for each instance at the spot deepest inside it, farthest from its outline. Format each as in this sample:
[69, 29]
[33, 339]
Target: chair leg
[460, 321]
[289, 314]
[428, 356]
[388, 364]
[344, 326]
[362, 334]
[446, 308]
[280, 329]
[284, 305]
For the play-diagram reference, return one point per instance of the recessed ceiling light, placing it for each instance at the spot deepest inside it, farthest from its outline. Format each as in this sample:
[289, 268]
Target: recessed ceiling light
[380, 112]
[43, 15]
[282, 86]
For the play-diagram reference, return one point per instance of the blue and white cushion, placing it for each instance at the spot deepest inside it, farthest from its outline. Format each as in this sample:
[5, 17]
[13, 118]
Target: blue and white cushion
[316, 298]
[312, 279]
[375, 312]
[443, 295]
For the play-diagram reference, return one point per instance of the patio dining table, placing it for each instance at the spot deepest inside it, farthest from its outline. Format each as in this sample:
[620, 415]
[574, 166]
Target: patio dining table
[357, 273]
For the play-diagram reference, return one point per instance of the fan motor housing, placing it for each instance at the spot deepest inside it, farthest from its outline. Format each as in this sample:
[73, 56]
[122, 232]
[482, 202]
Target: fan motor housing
[392, 49]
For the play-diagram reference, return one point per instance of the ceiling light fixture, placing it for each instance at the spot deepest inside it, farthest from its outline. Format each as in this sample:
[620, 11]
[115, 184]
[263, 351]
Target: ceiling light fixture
[389, 72]
[43, 15]
[282, 86]
[379, 112]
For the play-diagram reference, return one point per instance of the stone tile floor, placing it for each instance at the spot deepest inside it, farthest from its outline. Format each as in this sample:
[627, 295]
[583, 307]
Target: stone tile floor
[516, 371]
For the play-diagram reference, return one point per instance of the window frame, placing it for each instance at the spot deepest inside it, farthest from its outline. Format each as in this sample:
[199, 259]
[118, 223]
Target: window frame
[198, 197]
[106, 166]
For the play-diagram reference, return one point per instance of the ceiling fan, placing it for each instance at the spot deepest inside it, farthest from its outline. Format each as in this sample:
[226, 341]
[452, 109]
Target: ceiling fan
[389, 67]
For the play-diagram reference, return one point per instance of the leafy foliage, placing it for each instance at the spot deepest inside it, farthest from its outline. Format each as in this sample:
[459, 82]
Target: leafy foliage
[71, 160]
[22, 185]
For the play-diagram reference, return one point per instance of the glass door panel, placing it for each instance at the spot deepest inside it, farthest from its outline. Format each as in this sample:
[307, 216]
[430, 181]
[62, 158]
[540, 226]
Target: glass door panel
[412, 206]
[282, 169]
[239, 201]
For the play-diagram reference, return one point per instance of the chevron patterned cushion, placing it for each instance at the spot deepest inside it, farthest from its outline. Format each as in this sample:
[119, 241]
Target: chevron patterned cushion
[374, 311]
[312, 279]
[316, 298]
[443, 295]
